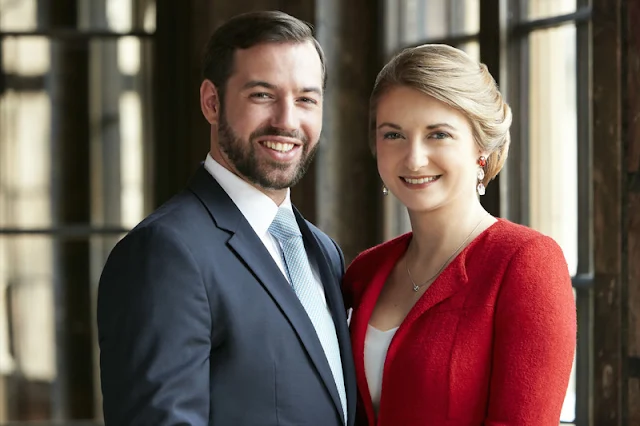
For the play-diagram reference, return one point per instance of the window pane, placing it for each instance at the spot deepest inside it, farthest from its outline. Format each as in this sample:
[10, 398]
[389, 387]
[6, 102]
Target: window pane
[413, 21]
[553, 137]
[27, 332]
[121, 122]
[119, 117]
[18, 15]
[553, 147]
[30, 283]
[539, 9]
[25, 172]
[118, 15]
[472, 49]
[106, 15]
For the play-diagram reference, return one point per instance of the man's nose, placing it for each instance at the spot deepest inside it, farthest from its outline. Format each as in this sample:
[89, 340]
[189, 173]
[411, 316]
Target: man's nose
[286, 115]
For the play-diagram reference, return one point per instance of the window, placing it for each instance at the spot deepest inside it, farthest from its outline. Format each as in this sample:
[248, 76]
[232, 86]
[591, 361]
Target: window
[75, 114]
[549, 189]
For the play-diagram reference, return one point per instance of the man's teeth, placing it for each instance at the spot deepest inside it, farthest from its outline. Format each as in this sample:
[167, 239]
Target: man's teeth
[279, 146]
[420, 181]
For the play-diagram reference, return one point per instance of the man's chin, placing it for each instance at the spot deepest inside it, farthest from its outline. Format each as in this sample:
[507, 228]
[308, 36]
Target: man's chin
[277, 184]
[277, 178]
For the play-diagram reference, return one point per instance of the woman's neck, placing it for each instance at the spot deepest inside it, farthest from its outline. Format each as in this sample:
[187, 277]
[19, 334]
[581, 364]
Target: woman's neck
[443, 230]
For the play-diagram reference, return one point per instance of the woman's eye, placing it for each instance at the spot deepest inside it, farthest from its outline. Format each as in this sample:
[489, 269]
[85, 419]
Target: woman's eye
[392, 135]
[440, 135]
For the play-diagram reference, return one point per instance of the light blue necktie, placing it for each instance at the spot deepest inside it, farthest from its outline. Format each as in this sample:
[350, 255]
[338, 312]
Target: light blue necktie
[285, 229]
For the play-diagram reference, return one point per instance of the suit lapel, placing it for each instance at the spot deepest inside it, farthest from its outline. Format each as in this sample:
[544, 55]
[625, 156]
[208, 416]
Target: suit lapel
[250, 249]
[331, 285]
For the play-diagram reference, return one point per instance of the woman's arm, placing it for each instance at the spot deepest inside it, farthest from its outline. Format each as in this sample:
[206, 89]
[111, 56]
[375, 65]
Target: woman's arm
[534, 338]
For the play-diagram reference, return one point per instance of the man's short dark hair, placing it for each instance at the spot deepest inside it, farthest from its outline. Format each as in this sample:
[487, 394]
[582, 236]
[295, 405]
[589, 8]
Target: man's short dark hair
[248, 30]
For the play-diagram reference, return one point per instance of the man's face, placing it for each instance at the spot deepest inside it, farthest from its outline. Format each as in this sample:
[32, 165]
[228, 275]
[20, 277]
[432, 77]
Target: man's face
[271, 117]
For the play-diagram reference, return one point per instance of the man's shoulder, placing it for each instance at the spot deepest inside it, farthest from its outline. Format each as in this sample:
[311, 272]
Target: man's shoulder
[326, 239]
[180, 219]
[184, 212]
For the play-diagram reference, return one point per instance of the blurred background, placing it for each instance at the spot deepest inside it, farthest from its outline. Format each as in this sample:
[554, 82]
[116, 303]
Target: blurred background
[100, 123]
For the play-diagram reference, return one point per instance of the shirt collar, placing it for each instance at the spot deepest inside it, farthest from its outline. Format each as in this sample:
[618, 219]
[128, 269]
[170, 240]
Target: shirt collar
[255, 205]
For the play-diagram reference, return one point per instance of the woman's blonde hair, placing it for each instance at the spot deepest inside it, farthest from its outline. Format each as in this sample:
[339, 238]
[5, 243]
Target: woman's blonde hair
[451, 76]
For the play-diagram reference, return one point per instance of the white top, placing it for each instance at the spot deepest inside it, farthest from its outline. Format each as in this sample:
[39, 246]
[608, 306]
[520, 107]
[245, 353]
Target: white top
[376, 345]
[259, 210]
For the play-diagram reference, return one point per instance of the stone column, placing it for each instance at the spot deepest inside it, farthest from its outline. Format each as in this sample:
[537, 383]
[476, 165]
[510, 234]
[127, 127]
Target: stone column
[348, 187]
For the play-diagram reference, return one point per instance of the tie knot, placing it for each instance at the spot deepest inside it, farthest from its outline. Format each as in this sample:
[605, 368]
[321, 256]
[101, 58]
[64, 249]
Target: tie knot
[284, 225]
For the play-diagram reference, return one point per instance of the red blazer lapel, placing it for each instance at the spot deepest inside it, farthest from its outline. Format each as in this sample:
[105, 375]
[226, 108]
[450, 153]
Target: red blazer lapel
[361, 315]
[450, 281]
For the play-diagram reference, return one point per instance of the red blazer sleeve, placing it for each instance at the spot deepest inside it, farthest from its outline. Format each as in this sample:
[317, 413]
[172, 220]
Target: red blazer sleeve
[535, 338]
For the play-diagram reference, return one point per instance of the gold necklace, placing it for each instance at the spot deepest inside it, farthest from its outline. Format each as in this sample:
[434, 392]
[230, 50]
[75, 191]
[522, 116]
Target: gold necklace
[417, 287]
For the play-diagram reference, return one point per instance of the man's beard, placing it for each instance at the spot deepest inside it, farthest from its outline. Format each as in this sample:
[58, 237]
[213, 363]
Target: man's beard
[259, 171]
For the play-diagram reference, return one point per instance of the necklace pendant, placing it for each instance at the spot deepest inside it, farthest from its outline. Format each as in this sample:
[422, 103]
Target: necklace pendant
[416, 288]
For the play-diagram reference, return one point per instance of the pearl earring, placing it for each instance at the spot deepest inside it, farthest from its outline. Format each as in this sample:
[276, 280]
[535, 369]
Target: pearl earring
[385, 190]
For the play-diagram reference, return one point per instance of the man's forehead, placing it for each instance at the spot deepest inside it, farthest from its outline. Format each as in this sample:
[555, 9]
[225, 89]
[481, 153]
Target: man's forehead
[278, 65]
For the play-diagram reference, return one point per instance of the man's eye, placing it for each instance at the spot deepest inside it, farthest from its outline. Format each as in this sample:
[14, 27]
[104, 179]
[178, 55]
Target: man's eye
[309, 100]
[261, 95]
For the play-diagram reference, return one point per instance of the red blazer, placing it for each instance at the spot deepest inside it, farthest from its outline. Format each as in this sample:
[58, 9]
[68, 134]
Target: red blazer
[490, 343]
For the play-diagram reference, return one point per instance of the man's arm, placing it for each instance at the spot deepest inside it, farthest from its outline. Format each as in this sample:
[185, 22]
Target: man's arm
[154, 326]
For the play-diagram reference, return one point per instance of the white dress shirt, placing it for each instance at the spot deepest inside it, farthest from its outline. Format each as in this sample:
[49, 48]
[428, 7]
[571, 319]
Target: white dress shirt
[259, 210]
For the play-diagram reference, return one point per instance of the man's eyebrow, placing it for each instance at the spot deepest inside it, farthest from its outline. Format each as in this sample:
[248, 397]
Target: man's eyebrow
[312, 89]
[257, 83]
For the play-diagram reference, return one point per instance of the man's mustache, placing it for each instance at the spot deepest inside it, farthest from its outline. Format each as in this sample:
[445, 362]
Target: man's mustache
[274, 131]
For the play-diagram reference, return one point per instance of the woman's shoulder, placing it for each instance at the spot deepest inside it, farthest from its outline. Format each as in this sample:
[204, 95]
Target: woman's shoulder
[507, 237]
[381, 251]
[509, 246]
[367, 261]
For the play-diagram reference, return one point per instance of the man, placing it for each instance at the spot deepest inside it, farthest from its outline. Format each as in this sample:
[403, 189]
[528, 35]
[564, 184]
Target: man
[223, 307]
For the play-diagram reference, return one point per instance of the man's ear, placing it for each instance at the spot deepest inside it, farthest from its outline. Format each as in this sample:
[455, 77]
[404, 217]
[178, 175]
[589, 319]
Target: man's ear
[209, 102]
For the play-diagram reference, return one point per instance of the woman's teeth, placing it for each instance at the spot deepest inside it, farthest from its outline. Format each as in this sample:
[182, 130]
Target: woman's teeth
[420, 181]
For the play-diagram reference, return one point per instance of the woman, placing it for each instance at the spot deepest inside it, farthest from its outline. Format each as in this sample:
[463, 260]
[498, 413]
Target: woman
[468, 320]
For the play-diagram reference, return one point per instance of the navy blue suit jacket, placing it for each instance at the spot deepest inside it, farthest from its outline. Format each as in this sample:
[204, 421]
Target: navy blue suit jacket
[198, 326]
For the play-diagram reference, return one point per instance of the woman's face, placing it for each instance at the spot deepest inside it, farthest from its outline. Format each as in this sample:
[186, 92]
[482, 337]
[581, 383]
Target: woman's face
[426, 153]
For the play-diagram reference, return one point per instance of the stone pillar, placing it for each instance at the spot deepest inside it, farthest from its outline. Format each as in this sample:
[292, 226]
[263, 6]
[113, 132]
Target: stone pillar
[632, 157]
[348, 187]
[181, 139]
